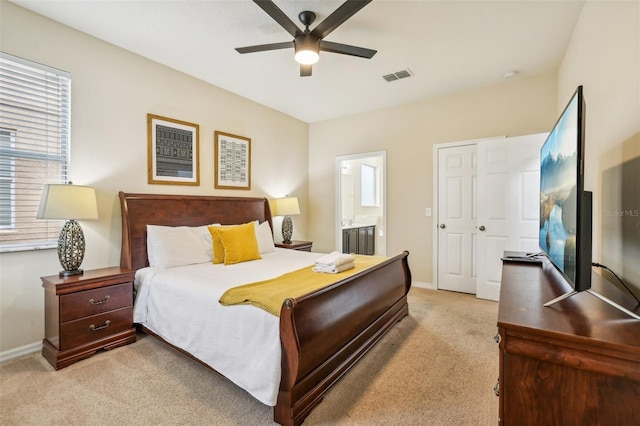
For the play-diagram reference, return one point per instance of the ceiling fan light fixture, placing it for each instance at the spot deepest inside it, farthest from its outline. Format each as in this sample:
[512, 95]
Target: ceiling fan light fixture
[307, 57]
[307, 50]
[307, 44]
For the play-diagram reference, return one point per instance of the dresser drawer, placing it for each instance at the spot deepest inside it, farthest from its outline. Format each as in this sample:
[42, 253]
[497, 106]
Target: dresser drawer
[91, 302]
[86, 330]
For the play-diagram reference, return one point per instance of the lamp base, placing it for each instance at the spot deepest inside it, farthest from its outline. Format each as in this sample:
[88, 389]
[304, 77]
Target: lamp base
[287, 229]
[71, 248]
[64, 274]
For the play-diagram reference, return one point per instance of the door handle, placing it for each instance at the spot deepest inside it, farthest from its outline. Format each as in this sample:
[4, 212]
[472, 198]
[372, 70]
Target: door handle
[442, 226]
[482, 228]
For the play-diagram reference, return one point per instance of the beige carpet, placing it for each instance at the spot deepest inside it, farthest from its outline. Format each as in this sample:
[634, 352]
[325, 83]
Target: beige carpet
[437, 366]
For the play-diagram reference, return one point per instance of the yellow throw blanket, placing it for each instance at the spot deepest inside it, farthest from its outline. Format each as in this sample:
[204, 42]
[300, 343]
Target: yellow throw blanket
[271, 294]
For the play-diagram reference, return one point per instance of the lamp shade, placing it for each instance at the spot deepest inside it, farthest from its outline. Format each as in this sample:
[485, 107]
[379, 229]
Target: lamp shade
[68, 202]
[287, 206]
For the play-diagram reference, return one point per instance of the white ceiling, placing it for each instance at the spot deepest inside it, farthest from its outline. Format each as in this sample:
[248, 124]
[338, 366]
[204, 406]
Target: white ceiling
[449, 46]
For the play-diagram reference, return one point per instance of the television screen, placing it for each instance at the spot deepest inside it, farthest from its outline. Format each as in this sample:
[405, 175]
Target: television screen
[564, 218]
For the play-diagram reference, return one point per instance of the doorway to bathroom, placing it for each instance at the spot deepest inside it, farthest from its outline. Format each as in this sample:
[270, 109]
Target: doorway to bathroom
[361, 203]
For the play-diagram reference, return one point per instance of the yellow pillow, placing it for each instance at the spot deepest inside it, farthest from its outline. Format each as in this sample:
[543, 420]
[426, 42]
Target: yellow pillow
[239, 243]
[218, 247]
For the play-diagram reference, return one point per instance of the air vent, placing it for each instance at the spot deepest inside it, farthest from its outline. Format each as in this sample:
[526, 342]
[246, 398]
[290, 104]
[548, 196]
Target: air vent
[398, 75]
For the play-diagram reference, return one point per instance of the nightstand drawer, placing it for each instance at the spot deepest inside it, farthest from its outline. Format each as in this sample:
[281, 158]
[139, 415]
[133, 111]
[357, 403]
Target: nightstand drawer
[91, 302]
[86, 330]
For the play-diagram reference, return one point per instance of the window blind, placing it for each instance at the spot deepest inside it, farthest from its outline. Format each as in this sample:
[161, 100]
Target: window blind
[34, 148]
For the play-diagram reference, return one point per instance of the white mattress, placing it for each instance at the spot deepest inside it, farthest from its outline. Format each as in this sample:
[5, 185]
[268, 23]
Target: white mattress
[241, 342]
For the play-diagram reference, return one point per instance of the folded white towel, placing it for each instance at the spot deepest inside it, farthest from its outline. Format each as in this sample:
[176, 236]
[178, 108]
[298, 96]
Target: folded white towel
[333, 269]
[335, 258]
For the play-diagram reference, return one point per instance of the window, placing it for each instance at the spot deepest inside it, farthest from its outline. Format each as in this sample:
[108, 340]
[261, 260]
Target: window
[7, 142]
[368, 186]
[34, 149]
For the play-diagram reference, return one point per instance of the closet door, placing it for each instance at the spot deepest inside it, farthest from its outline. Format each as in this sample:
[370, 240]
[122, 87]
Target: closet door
[508, 205]
[487, 198]
[456, 218]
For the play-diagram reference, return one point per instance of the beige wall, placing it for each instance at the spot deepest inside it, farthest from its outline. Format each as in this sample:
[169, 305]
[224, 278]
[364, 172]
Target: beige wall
[112, 92]
[604, 57]
[408, 134]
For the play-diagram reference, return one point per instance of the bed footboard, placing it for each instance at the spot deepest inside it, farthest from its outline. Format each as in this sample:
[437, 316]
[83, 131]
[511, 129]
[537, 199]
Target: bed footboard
[325, 333]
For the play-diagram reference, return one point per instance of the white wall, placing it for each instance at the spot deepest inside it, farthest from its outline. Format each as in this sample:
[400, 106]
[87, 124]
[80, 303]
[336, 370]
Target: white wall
[112, 92]
[604, 57]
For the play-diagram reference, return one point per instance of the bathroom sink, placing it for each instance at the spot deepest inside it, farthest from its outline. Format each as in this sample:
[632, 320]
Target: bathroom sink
[355, 225]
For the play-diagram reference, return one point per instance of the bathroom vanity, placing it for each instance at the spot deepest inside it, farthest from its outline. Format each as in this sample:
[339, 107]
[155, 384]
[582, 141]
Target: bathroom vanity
[359, 239]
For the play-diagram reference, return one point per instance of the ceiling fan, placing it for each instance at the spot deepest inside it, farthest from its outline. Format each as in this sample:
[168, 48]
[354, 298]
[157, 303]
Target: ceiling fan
[307, 43]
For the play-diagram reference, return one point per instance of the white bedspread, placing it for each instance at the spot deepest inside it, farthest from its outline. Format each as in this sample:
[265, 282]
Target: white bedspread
[241, 342]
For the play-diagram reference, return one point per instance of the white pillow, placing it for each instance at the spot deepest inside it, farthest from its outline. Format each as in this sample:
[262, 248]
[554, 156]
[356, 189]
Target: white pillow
[204, 231]
[171, 246]
[264, 237]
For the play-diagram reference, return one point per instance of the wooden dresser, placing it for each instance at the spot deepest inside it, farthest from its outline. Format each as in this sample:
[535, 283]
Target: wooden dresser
[576, 362]
[86, 313]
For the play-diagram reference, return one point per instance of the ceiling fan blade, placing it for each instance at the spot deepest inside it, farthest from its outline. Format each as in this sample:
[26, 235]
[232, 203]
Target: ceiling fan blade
[279, 16]
[305, 70]
[341, 14]
[345, 49]
[265, 47]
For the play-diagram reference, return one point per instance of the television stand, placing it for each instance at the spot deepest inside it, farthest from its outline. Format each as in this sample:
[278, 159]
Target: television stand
[560, 298]
[614, 304]
[574, 366]
[599, 296]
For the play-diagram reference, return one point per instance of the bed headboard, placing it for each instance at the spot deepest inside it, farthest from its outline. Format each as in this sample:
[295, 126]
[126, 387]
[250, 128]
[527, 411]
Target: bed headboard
[140, 210]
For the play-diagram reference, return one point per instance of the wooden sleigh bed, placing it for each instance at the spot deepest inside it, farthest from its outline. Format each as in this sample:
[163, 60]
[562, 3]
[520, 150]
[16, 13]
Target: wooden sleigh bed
[323, 333]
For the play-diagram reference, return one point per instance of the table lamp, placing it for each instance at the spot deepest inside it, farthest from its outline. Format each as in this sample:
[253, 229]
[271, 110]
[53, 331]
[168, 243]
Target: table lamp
[71, 203]
[286, 207]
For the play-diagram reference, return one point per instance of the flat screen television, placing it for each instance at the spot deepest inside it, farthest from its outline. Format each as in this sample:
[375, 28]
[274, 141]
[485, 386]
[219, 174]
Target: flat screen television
[566, 216]
[565, 207]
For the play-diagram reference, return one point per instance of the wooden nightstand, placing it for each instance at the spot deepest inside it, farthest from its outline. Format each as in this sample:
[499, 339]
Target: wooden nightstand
[296, 245]
[86, 313]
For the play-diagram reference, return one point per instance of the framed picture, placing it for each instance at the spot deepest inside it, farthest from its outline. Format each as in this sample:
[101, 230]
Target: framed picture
[173, 151]
[232, 161]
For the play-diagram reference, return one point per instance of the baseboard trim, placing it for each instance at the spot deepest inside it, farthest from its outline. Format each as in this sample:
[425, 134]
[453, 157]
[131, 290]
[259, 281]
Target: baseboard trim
[420, 284]
[20, 351]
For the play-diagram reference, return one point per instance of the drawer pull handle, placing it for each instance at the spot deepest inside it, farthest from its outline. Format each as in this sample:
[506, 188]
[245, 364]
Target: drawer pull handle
[100, 302]
[497, 338]
[496, 388]
[101, 327]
